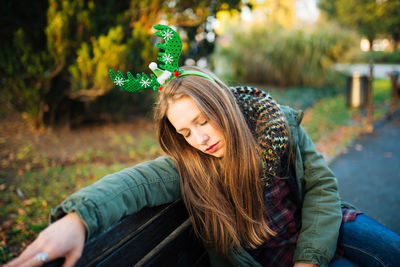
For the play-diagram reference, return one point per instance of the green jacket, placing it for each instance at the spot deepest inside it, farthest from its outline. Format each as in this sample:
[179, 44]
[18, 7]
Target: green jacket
[156, 182]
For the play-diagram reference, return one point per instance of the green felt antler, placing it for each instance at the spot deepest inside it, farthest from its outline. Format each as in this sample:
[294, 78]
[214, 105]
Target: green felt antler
[172, 47]
[133, 85]
[170, 57]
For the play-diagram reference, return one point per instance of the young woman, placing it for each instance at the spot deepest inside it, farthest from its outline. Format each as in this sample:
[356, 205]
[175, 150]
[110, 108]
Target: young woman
[257, 191]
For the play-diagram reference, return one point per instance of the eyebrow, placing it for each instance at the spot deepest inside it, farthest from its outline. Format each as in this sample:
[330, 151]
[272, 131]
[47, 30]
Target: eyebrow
[194, 119]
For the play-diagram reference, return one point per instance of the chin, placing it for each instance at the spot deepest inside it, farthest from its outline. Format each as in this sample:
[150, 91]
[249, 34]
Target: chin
[219, 155]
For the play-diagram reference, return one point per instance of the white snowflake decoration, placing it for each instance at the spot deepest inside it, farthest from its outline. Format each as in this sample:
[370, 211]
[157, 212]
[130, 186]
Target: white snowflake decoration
[167, 58]
[119, 81]
[145, 83]
[167, 35]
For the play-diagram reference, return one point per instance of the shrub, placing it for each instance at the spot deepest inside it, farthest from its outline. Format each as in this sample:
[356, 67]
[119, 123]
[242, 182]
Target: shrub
[25, 77]
[89, 71]
[45, 77]
[282, 57]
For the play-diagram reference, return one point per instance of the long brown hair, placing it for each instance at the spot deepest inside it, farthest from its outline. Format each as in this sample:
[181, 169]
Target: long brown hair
[223, 195]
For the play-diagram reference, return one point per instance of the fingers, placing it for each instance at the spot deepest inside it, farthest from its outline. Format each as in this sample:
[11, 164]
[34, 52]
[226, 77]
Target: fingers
[25, 261]
[27, 258]
[28, 254]
[31, 262]
[64, 238]
[70, 260]
[41, 245]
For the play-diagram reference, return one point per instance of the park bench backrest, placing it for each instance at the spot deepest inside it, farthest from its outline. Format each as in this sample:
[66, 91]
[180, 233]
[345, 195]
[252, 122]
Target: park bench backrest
[159, 236]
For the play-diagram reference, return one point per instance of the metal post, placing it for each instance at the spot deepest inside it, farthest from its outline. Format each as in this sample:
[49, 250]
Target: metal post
[370, 108]
[395, 95]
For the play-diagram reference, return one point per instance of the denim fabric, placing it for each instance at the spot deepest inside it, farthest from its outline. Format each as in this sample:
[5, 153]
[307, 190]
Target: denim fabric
[343, 262]
[368, 243]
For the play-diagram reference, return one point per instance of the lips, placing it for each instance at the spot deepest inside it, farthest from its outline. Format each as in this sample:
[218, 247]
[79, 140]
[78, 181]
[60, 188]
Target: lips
[213, 148]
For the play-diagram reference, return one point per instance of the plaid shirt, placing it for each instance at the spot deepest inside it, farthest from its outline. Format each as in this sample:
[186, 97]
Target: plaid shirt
[284, 217]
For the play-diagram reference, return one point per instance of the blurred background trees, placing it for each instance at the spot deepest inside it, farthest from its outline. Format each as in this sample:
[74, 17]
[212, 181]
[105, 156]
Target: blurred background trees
[55, 54]
[282, 56]
[371, 18]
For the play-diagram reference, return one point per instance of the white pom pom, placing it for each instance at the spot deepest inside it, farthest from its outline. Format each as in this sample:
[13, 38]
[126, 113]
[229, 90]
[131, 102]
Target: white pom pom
[165, 76]
[153, 65]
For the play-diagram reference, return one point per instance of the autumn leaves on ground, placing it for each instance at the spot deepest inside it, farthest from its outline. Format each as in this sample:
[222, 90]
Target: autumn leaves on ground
[39, 168]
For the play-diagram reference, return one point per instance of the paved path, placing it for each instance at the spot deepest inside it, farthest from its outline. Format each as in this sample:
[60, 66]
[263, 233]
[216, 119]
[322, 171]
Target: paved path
[369, 173]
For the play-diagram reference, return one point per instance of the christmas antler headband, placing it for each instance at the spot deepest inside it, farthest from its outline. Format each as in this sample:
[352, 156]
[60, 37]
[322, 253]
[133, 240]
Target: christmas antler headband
[167, 71]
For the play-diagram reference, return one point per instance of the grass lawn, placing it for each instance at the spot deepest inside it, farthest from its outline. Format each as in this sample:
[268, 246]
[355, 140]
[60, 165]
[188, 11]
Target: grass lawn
[31, 183]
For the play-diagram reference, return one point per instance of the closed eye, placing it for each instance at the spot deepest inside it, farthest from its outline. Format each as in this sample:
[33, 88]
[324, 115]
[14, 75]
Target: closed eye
[203, 123]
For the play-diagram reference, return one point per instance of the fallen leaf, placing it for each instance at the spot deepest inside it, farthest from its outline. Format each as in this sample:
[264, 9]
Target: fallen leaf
[27, 202]
[387, 154]
[19, 193]
[358, 147]
[21, 211]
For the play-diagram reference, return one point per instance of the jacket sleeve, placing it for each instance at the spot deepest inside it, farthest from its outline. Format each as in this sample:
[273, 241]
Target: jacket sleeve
[235, 257]
[321, 212]
[105, 202]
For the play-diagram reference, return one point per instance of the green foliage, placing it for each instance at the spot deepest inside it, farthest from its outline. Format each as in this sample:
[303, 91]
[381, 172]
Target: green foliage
[327, 115]
[370, 18]
[65, 57]
[376, 57]
[381, 99]
[301, 97]
[381, 91]
[89, 71]
[391, 20]
[25, 81]
[362, 15]
[281, 57]
[60, 16]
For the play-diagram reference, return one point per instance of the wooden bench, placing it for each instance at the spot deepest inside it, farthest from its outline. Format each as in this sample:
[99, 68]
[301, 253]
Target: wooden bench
[160, 236]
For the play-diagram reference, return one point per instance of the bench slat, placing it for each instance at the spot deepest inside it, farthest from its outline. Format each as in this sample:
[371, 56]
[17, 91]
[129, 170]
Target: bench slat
[160, 235]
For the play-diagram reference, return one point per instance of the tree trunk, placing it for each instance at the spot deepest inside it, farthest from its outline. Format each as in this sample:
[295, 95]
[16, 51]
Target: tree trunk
[396, 39]
[371, 43]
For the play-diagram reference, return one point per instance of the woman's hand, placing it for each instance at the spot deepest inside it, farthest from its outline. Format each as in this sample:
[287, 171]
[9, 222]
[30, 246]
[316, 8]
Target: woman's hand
[63, 238]
[302, 264]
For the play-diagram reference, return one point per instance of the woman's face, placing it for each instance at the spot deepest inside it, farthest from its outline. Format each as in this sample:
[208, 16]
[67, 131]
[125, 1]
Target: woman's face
[198, 131]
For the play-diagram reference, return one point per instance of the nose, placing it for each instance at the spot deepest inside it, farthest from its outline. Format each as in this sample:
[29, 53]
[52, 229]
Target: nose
[201, 137]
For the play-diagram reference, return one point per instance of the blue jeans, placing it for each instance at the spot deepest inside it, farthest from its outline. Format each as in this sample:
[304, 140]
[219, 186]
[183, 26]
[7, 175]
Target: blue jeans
[367, 243]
